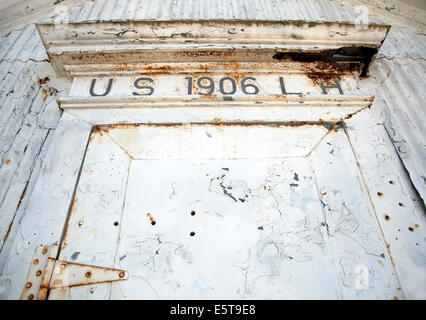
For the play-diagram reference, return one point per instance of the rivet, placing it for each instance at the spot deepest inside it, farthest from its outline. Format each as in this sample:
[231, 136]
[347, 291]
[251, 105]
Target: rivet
[31, 297]
[38, 273]
[88, 274]
[28, 285]
[122, 274]
[35, 261]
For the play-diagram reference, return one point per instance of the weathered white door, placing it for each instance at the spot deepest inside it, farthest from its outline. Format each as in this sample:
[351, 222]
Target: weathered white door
[204, 211]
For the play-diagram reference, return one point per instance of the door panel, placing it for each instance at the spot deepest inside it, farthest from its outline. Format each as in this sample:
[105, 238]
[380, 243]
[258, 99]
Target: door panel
[226, 212]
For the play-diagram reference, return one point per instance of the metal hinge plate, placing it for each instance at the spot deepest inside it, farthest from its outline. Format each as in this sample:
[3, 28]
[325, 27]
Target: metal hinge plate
[47, 273]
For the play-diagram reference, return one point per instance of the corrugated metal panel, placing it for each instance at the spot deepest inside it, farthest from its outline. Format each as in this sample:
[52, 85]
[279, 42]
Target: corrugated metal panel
[310, 10]
[400, 71]
[28, 113]
[402, 43]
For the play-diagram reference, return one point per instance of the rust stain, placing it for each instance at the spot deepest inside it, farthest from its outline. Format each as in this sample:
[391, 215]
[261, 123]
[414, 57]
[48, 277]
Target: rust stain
[390, 255]
[96, 130]
[7, 161]
[413, 228]
[209, 96]
[151, 219]
[43, 81]
[221, 123]
[73, 206]
[7, 232]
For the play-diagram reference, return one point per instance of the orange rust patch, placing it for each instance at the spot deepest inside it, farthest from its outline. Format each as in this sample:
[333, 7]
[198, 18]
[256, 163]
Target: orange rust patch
[96, 130]
[413, 228]
[7, 232]
[43, 81]
[209, 96]
[74, 202]
[151, 219]
[7, 161]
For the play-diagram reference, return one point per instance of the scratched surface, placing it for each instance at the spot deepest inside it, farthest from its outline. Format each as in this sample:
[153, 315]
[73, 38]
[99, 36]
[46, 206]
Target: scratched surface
[261, 219]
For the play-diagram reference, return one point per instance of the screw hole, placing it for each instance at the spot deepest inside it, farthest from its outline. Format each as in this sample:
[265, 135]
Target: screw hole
[411, 229]
[380, 194]
[401, 204]
[387, 218]
[153, 222]
[192, 213]
[192, 233]
[391, 182]
[115, 223]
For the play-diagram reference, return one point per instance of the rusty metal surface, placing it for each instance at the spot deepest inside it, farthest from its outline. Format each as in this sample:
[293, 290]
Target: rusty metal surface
[50, 278]
[123, 43]
[68, 274]
[399, 74]
[39, 273]
[296, 201]
[396, 73]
